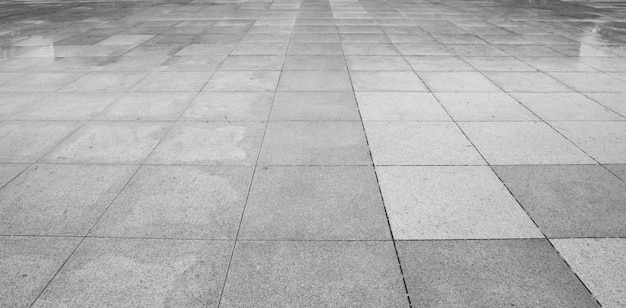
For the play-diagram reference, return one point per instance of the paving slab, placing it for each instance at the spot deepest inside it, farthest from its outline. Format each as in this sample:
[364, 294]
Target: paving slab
[315, 203]
[490, 273]
[569, 201]
[130, 272]
[314, 274]
[59, 199]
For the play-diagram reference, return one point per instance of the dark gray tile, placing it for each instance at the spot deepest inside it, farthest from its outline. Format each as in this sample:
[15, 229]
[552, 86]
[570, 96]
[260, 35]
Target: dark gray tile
[315, 203]
[315, 143]
[569, 201]
[314, 274]
[618, 170]
[489, 273]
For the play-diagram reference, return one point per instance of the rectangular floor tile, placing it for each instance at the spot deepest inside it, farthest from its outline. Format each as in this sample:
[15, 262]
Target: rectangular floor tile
[151, 272]
[569, 201]
[459, 202]
[59, 199]
[314, 274]
[179, 202]
[315, 203]
[243, 81]
[314, 106]
[212, 143]
[230, 106]
[490, 273]
[314, 143]
[419, 143]
[314, 81]
[400, 106]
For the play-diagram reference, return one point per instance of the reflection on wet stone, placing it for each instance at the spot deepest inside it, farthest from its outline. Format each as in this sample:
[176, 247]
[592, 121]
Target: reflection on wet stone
[312, 153]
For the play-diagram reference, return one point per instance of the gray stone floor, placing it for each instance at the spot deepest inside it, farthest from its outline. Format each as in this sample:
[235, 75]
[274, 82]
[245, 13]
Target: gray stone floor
[313, 153]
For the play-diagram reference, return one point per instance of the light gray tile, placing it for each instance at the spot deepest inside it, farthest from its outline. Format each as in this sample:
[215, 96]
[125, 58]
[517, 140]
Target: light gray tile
[460, 202]
[179, 202]
[155, 273]
[600, 264]
[213, 143]
[59, 199]
[420, 143]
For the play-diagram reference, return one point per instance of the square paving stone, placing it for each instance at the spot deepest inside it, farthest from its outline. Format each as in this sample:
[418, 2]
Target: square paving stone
[315, 49]
[458, 82]
[213, 143]
[230, 106]
[243, 81]
[315, 143]
[26, 142]
[313, 106]
[314, 63]
[315, 203]
[387, 81]
[133, 272]
[260, 49]
[377, 63]
[109, 142]
[490, 273]
[520, 143]
[179, 202]
[314, 81]
[438, 63]
[460, 202]
[27, 264]
[59, 199]
[148, 106]
[565, 107]
[370, 49]
[484, 107]
[605, 141]
[252, 63]
[569, 201]
[173, 81]
[600, 264]
[527, 82]
[314, 274]
[67, 106]
[420, 143]
[400, 106]
[105, 82]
